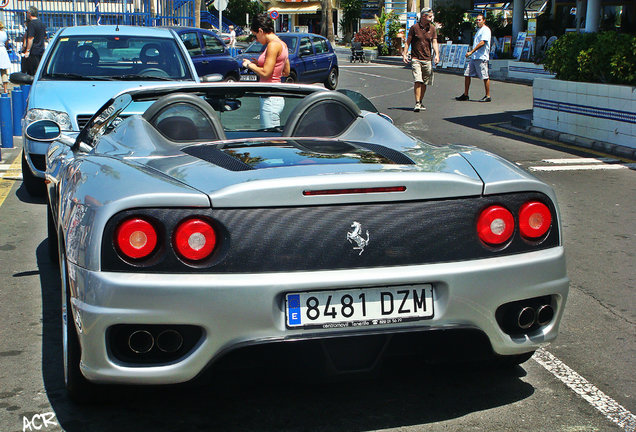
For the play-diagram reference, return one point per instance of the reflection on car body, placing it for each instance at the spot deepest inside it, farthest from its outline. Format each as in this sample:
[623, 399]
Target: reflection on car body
[334, 230]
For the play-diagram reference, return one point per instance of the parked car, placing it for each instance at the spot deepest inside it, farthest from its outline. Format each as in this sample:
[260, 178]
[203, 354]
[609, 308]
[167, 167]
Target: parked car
[83, 67]
[209, 53]
[334, 231]
[311, 58]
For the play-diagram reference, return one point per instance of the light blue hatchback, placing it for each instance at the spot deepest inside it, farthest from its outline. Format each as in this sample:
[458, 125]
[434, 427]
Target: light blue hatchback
[83, 67]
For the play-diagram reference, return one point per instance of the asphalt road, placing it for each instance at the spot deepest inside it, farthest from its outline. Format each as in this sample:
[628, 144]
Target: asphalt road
[594, 355]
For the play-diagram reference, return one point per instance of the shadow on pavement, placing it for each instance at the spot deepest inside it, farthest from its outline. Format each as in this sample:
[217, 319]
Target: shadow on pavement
[498, 124]
[404, 393]
[24, 196]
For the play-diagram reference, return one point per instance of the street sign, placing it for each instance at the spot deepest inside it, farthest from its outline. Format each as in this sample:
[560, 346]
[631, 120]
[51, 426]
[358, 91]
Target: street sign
[220, 5]
[273, 14]
[4, 3]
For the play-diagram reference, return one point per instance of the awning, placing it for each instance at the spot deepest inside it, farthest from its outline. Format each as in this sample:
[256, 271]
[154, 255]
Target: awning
[295, 8]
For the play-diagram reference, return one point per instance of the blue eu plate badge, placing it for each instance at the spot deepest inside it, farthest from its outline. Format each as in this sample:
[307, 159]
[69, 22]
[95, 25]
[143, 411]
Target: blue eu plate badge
[293, 309]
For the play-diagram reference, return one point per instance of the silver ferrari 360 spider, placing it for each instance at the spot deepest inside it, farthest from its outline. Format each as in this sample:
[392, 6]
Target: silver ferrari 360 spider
[188, 234]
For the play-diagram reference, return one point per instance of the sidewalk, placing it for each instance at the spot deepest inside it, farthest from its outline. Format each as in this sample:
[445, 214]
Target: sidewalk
[524, 122]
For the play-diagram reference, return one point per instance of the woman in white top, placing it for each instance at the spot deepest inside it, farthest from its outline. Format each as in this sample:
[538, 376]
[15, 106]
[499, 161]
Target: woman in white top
[5, 63]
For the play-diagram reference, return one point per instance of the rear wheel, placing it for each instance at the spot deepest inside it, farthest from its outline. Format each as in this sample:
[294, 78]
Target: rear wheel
[33, 184]
[332, 79]
[231, 78]
[79, 389]
[510, 361]
[292, 78]
[52, 235]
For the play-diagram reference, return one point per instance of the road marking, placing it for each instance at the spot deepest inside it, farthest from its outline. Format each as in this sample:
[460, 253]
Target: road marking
[370, 65]
[599, 400]
[5, 182]
[579, 160]
[588, 167]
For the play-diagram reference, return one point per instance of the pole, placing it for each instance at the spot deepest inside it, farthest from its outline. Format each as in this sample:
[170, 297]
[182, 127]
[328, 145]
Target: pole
[17, 110]
[6, 129]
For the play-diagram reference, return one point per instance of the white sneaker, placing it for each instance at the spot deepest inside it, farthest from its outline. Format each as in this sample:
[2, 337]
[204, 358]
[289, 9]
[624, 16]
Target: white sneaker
[418, 107]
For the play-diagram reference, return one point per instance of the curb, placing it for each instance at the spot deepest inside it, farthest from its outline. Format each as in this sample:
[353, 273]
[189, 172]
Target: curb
[579, 141]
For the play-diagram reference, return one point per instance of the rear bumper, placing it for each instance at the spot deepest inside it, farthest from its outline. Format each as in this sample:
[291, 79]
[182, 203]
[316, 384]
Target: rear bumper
[235, 310]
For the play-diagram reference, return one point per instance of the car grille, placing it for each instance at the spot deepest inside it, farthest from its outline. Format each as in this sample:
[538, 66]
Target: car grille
[316, 237]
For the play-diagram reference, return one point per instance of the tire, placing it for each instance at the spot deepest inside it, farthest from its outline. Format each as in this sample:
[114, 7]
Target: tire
[34, 185]
[231, 78]
[332, 79]
[511, 361]
[292, 78]
[52, 236]
[78, 388]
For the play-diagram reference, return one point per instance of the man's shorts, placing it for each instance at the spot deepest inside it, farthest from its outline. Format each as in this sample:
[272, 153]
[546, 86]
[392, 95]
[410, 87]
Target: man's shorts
[5, 75]
[422, 71]
[477, 68]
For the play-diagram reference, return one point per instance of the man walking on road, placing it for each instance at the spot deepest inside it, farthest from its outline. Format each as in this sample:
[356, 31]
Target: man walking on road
[422, 39]
[478, 64]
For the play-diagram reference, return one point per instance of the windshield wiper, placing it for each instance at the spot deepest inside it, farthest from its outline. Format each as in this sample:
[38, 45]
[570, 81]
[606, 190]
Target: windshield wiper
[78, 77]
[133, 77]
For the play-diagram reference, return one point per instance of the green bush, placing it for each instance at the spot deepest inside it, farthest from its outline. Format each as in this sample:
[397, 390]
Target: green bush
[606, 57]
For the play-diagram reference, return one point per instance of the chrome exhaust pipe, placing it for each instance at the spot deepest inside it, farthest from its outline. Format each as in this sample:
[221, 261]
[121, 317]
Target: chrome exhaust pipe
[169, 341]
[140, 341]
[526, 318]
[545, 313]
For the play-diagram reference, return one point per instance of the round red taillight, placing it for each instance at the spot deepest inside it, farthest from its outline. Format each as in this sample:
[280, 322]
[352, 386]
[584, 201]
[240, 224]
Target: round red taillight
[495, 225]
[535, 219]
[136, 238]
[194, 239]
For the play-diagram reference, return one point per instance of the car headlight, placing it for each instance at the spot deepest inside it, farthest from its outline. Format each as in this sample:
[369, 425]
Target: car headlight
[60, 117]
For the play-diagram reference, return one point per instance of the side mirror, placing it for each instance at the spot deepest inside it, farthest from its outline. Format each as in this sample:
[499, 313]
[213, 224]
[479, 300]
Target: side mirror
[212, 78]
[20, 78]
[43, 131]
[47, 131]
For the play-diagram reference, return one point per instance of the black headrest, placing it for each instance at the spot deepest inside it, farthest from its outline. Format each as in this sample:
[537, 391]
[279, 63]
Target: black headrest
[151, 52]
[321, 114]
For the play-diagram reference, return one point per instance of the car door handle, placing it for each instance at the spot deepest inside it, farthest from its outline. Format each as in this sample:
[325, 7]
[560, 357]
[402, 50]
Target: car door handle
[205, 62]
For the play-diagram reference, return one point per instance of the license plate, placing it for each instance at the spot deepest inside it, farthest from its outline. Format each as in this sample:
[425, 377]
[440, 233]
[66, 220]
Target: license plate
[248, 77]
[359, 307]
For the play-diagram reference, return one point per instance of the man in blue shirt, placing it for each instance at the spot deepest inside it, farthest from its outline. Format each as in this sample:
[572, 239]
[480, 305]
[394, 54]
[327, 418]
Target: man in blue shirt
[478, 64]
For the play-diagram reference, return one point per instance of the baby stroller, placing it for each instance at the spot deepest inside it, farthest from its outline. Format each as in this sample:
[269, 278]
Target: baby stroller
[357, 53]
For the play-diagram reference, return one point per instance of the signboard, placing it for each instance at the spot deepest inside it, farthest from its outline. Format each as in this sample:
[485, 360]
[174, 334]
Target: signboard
[220, 5]
[463, 49]
[411, 19]
[521, 38]
[273, 14]
[4, 3]
[532, 27]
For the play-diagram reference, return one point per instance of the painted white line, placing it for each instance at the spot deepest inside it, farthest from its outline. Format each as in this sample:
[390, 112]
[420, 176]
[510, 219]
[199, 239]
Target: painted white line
[375, 65]
[4, 167]
[599, 400]
[579, 161]
[577, 167]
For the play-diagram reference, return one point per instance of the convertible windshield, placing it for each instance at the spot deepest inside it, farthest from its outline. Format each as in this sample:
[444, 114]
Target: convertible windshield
[141, 58]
